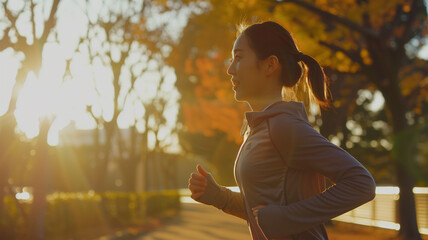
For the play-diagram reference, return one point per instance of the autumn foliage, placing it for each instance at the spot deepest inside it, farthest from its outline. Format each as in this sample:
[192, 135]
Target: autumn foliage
[215, 109]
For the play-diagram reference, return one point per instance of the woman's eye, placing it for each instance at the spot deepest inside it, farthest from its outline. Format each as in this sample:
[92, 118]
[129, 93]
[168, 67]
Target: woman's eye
[236, 58]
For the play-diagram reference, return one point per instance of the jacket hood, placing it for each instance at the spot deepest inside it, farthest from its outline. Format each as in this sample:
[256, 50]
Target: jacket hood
[293, 109]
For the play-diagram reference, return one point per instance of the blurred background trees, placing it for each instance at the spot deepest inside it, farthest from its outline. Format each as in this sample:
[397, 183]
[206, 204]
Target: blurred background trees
[115, 64]
[29, 44]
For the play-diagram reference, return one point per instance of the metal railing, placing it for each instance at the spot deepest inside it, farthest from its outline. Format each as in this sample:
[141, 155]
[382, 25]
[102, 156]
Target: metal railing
[383, 210]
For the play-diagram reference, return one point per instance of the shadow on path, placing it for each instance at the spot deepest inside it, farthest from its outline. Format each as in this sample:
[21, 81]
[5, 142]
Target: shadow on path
[197, 221]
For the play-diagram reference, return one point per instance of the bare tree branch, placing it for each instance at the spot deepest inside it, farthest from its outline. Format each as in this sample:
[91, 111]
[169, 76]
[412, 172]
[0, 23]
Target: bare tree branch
[50, 23]
[334, 18]
[91, 112]
[354, 56]
[132, 87]
[5, 41]
[10, 16]
[33, 21]
[387, 29]
[92, 56]
[417, 8]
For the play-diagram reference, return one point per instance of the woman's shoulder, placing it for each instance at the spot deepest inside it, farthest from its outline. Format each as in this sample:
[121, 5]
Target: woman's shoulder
[290, 117]
[289, 127]
[288, 120]
[284, 126]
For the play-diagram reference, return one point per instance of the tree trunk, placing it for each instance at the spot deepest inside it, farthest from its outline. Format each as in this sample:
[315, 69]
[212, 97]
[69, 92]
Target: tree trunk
[169, 172]
[145, 154]
[129, 173]
[41, 179]
[101, 171]
[406, 203]
[128, 165]
[154, 160]
[165, 164]
[8, 137]
[145, 167]
[97, 157]
[102, 165]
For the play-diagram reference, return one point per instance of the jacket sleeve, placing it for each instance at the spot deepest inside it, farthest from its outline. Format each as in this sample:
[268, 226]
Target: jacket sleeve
[302, 147]
[223, 198]
[234, 205]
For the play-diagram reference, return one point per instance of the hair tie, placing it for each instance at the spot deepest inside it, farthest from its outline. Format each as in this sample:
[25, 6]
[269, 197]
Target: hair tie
[299, 56]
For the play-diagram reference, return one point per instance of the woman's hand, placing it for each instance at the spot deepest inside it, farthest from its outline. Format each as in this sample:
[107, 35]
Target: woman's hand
[256, 211]
[198, 182]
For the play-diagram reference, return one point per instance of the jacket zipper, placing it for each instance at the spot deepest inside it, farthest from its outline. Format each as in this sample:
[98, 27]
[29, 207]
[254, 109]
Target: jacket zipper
[239, 155]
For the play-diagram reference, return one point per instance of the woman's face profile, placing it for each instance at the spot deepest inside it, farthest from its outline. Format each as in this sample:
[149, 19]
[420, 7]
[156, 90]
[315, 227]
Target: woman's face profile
[246, 74]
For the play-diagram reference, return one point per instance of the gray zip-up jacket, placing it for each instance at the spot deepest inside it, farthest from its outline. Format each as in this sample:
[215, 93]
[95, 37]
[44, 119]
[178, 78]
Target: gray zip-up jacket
[282, 164]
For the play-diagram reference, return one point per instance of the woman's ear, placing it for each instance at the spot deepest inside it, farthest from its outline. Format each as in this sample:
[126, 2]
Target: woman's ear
[272, 64]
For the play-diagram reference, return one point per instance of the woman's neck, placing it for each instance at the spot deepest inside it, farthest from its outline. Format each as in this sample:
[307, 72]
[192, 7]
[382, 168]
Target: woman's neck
[261, 104]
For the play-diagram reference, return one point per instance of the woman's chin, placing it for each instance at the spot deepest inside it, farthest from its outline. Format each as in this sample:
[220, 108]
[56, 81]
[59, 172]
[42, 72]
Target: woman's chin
[239, 97]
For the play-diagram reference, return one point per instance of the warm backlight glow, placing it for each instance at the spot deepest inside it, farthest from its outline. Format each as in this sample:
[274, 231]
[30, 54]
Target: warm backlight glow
[43, 97]
[370, 214]
[36, 100]
[64, 99]
[23, 196]
[387, 190]
[420, 190]
[53, 96]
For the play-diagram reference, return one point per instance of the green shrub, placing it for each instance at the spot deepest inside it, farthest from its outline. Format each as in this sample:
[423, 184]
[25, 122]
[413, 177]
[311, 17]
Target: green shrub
[68, 213]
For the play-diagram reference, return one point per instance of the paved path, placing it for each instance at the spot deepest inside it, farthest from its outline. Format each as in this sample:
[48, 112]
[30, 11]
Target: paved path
[201, 222]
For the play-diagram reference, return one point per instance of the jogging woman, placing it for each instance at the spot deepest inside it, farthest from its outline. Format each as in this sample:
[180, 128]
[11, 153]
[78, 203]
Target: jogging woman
[283, 161]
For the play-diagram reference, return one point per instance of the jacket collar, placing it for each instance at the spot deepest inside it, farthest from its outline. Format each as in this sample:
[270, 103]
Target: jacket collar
[291, 108]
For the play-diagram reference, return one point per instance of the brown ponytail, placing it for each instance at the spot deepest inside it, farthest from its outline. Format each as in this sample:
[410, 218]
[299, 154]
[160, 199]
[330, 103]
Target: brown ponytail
[317, 81]
[270, 38]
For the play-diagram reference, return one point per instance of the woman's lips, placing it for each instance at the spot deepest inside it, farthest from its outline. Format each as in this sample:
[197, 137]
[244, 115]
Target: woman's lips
[235, 85]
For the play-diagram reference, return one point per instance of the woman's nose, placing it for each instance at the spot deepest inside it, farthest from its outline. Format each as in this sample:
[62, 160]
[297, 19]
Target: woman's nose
[230, 70]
